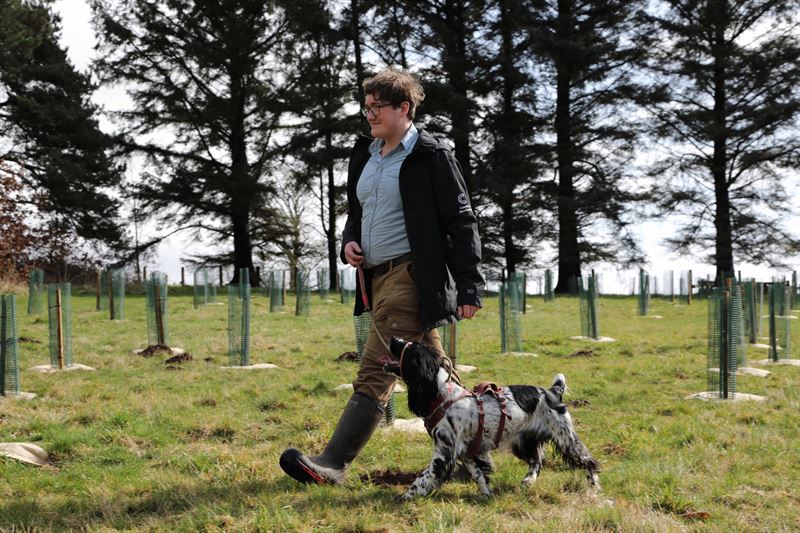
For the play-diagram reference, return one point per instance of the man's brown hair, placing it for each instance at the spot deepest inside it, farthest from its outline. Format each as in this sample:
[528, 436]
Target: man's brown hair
[396, 86]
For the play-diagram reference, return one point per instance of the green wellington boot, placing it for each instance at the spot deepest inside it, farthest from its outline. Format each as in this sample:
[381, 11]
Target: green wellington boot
[359, 419]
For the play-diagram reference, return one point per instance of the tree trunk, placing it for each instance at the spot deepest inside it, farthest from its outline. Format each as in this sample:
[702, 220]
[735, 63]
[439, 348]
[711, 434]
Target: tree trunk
[242, 184]
[355, 22]
[569, 261]
[507, 138]
[508, 239]
[722, 216]
[330, 233]
[242, 246]
[454, 61]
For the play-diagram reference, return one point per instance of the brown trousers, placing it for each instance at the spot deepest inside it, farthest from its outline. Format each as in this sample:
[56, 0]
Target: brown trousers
[396, 310]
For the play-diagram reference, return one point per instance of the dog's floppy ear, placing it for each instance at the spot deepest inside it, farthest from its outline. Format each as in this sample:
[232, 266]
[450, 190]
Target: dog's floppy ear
[420, 371]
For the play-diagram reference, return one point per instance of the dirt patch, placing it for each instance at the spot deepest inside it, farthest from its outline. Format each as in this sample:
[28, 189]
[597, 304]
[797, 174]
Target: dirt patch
[695, 515]
[29, 340]
[270, 405]
[172, 367]
[612, 448]
[580, 402]
[209, 359]
[154, 349]
[225, 434]
[389, 478]
[179, 358]
[583, 353]
[347, 356]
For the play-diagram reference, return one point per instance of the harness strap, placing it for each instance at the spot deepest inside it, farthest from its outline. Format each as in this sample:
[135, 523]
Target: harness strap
[440, 407]
[487, 387]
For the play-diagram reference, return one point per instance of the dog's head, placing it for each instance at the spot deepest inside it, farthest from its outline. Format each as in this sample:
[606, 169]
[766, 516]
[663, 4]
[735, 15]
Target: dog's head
[418, 365]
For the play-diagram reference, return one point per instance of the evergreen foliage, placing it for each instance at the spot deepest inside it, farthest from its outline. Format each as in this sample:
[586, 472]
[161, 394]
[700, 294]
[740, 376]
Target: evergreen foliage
[208, 93]
[51, 143]
[728, 99]
[590, 52]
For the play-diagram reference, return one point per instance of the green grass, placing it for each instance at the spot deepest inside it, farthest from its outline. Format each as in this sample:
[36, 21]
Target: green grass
[138, 447]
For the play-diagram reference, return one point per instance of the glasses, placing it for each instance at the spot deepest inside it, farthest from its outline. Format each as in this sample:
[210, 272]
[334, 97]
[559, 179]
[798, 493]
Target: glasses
[373, 110]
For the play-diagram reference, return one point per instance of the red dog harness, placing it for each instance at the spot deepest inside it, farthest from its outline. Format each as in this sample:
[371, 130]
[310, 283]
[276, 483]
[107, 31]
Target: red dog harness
[440, 406]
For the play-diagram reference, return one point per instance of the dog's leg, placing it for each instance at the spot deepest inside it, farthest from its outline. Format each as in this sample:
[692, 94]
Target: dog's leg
[535, 460]
[529, 447]
[570, 446]
[478, 467]
[437, 472]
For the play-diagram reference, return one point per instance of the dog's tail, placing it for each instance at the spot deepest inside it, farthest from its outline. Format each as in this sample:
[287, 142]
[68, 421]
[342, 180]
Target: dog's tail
[554, 394]
[559, 385]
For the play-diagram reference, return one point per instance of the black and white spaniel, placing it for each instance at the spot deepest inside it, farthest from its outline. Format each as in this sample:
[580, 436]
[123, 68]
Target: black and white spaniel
[467, 425]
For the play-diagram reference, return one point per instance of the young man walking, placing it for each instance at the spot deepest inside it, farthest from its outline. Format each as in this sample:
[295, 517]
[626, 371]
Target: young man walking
[411, 228]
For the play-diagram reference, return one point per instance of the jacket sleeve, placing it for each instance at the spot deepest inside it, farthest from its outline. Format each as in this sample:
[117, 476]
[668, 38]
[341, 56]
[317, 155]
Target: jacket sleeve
[348, 235]
[461, 228]
[352, 225]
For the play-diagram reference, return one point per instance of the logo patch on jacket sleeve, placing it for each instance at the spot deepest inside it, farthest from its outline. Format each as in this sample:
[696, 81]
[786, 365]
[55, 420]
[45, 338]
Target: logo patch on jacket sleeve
[464, 201]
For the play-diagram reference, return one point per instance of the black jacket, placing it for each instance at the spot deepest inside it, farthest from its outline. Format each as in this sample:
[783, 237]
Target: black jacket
[442, 229]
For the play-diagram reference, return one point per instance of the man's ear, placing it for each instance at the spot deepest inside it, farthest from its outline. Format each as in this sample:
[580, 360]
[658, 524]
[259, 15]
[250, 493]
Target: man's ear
[404, 108]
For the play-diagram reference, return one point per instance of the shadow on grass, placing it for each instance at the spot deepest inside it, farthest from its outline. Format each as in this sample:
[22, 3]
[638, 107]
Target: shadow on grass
[126, 510]
[179, 500]
[375, 495]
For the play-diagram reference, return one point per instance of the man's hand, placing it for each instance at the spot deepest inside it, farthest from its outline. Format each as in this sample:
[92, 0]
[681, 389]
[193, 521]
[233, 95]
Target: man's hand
[353, 254]
[467, 311]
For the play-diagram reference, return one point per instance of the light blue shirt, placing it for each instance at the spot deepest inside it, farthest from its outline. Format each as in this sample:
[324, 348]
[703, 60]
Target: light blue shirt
[383, 228]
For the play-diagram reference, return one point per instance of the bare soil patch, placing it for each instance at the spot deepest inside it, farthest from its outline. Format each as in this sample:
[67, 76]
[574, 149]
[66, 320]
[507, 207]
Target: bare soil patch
[388, 478]
[347, 356]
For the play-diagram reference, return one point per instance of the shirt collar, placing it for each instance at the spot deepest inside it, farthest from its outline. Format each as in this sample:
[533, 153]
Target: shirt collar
[407, 142]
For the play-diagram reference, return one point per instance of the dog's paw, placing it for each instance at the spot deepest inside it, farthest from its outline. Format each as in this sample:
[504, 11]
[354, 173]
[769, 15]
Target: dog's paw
[405, 497]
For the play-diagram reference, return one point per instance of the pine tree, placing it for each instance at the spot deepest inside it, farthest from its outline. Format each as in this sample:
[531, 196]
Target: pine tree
[441, 35]
[52, 143]
[208, 94]
[728, 99]
[322, 131]
[517, 219]
[590, 53]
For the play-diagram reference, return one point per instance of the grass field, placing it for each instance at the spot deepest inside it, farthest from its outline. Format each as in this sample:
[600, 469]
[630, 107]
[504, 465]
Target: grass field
[138, 446]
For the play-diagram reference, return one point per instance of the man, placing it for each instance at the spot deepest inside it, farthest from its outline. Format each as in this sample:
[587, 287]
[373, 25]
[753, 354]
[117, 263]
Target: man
[410, 227]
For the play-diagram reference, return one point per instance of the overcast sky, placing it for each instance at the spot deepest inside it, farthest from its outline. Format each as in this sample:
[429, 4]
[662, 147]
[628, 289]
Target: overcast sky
[78, 37]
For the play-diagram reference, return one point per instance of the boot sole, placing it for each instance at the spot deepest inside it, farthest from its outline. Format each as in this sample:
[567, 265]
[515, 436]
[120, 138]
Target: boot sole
[292, 463]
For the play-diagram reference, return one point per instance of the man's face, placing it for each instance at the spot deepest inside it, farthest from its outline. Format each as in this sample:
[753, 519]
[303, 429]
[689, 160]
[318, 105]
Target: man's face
[389, 121]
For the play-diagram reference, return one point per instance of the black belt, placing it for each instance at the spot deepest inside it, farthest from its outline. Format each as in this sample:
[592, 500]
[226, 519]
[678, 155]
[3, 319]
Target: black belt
[383, 268]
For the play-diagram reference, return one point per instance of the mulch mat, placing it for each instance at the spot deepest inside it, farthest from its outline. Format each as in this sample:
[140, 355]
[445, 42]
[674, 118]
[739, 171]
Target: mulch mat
[388, 478]
[347, 356]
